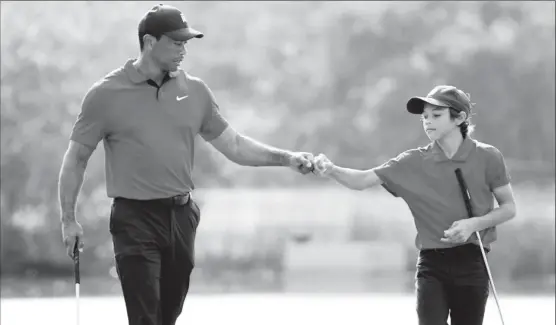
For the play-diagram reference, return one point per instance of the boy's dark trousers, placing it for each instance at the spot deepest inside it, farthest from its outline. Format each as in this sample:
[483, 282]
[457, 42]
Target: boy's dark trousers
[451, 282]
[154, 251]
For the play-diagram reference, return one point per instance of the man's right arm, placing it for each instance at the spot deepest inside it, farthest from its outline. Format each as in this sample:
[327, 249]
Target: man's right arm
[72, 173]
[354, 179]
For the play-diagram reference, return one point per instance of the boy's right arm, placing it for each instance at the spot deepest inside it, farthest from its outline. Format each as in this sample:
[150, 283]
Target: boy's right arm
[351, 178]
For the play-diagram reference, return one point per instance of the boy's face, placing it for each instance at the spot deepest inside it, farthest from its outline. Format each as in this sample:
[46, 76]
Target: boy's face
[437, 122]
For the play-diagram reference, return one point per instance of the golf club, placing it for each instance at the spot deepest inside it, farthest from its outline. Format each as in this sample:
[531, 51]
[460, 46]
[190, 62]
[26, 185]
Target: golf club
[467, 200]
[77, 276]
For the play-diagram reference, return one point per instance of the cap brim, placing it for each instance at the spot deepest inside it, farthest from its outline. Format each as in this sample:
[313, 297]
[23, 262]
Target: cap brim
[416, 105]
[184, 34]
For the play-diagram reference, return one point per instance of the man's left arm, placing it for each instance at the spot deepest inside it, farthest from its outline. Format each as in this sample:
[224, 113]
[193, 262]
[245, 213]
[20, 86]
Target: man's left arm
[243, 150]
[246, 151]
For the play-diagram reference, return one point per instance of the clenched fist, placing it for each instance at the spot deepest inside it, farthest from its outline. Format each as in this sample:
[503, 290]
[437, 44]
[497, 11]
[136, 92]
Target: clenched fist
[302, 162]
[323, 165]
[72, 232]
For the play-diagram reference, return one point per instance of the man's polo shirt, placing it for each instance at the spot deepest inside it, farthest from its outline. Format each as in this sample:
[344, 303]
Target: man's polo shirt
[148, 133]
[425, 179]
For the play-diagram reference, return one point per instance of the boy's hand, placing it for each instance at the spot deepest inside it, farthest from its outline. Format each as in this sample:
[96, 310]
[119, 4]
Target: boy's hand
[459, 232]
[323, 165]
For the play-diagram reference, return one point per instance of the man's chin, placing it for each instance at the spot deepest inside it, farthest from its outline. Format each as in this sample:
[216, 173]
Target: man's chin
[172, 67]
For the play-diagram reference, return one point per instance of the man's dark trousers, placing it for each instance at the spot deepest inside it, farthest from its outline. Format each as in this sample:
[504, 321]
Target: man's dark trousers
[451, 282]
[154, 251]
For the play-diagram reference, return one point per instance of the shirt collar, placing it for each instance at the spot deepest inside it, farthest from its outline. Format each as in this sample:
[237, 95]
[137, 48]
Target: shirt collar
[136, 76]
[465, 148]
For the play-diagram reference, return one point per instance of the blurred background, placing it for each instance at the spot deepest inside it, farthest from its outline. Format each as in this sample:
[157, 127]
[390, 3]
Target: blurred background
[329, 77]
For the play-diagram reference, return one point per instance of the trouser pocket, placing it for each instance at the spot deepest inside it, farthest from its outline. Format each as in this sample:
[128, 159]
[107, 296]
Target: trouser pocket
[194, 214]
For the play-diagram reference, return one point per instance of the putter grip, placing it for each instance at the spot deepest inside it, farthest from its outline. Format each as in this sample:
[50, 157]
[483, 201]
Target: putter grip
[76, 261]
[464, 192]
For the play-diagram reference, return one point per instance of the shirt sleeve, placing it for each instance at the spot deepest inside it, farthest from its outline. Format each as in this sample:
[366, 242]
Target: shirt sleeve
[497, 173]
[396, 172]
[213, 122]
[89, 128]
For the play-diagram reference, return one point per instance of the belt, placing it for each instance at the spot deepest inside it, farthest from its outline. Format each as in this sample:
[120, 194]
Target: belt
[178, 200]
[461, 248]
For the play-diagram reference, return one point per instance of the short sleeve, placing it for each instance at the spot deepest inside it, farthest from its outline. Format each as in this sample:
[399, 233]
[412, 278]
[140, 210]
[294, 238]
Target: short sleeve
[396, 172]
[497, 173]
[213, 122]
[89, 127]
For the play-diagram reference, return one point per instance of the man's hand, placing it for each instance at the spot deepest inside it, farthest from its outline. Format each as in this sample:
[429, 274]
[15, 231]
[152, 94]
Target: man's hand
[301, 162]
[72, 231]
[460, 231]
[323, 165]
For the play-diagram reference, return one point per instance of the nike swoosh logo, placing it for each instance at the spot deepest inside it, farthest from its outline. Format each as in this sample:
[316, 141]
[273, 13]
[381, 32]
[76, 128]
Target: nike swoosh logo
[178, 98]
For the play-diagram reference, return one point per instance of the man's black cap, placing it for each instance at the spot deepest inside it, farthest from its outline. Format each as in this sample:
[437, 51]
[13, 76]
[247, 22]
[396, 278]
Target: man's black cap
[167, 20]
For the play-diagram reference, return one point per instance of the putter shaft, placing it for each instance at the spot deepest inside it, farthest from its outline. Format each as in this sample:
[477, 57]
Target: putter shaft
[77, 277]
[490, 277]
[467, 201]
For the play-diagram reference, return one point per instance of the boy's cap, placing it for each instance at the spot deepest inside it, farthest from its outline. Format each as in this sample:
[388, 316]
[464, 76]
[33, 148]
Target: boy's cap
[167, 20]
[443, 96]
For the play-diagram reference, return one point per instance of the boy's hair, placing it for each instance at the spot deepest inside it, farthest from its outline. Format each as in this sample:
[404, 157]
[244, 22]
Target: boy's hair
[466, 128]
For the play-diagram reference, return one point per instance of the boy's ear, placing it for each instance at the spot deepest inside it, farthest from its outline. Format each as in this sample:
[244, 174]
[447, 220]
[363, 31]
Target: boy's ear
[462, 117]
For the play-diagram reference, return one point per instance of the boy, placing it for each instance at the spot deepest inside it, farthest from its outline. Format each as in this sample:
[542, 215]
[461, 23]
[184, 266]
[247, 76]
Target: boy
[451, 277]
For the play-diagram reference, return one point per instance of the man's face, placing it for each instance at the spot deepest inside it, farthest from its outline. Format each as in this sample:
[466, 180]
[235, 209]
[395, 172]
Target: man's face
[168, 53]
[437, 122]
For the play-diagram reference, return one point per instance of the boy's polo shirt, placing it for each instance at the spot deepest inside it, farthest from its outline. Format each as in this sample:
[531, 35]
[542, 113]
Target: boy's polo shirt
[148, 133]
[425, 179]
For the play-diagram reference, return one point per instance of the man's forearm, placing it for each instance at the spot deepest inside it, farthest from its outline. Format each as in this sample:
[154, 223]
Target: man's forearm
[250, 152]
[353, 178]
[497, 216]
[71, 180]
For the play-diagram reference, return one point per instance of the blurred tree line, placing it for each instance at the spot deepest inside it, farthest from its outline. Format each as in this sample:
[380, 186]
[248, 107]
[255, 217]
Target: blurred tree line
[328, 77]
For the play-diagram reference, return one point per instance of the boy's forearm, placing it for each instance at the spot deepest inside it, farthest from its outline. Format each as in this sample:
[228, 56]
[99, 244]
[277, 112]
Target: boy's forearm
[351, 178]
[70, 182]
[497, 216]
[250, 152]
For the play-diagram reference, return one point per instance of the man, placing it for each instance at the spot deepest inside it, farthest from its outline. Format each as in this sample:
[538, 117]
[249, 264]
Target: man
[148, 113]
[451, 278]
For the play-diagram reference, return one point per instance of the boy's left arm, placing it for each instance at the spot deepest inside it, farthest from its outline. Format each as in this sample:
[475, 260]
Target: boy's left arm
[461, 230]
[498, 180]
[505, 211]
